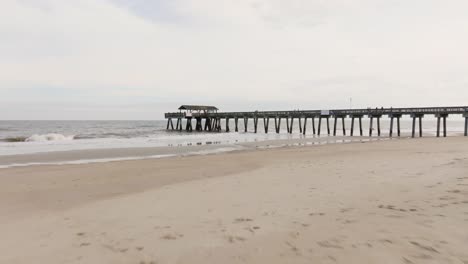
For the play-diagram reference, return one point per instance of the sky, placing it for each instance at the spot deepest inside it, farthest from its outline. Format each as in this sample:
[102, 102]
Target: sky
[136, 59]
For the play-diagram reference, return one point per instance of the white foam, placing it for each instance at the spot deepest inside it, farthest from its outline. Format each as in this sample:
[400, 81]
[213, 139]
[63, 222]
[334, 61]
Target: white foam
[84, 161]
[49, 137]
[102, 160]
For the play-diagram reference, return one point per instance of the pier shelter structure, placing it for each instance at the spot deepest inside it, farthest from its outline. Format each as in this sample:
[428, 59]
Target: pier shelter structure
[192, 111]
[209, 119]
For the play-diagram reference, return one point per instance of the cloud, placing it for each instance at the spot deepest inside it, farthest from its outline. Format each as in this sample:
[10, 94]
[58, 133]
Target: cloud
[383, 52]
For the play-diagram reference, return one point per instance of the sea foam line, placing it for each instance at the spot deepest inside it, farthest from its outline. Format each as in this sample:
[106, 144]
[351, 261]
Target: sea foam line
[104, 160]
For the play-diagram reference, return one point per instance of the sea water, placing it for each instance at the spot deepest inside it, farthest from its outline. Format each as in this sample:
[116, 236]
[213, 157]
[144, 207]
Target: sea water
[32, 137]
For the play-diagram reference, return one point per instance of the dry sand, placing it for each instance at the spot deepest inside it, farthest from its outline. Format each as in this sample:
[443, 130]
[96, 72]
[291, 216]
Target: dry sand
[399, 201]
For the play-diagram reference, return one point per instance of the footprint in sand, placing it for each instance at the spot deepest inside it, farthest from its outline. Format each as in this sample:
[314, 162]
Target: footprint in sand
[314, 214]
[171, 236]
[424, 247]
[293, 248]
[233, 239]
[327, 244]
[241, 219]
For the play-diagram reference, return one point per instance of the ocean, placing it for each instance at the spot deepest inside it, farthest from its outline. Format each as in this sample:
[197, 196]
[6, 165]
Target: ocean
[22, 142]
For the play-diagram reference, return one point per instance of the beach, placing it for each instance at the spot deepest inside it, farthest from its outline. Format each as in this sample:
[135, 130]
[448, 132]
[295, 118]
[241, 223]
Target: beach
[390, 201]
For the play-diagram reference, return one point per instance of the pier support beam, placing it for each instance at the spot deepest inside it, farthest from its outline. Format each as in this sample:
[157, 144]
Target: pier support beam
[319, 126]
[289, 125]
[277, 124]
[213, 123]
[236, 123]
[246, 122]
[227, 124]
[266, 123]
[343, 125]
[207, 124]
[198, 126]
[313, 125]
[353, 117]
[218, 127]
[378, 126]
[371, 125]
[360, 126]
[300, 125]
[398, 126]
[390, 133]
[169, 123]
[305, 126]
[445, 125]
[255, 124]
[334, 126]
[444, 118]
[188, 126]
[413, 131]
[466, 124]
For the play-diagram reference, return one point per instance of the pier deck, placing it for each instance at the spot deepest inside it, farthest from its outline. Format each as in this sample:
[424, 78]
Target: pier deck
[212, 120]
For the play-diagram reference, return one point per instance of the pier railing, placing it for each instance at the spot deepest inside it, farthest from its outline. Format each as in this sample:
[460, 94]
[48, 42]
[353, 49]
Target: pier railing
[339, 112]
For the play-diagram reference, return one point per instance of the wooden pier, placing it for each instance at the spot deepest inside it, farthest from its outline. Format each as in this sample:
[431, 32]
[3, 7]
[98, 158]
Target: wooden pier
[207, 118]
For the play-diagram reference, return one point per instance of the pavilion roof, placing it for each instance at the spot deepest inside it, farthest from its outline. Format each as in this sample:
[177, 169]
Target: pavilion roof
[197, 107]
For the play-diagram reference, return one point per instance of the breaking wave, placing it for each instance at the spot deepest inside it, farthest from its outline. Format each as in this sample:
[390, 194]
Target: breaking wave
[48, 137]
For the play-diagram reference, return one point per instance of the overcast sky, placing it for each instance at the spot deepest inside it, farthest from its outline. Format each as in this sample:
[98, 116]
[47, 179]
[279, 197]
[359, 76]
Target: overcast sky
[135, 59]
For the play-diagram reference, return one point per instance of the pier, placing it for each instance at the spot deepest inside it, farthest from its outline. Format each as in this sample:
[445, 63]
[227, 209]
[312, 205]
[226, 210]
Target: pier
[207, 118]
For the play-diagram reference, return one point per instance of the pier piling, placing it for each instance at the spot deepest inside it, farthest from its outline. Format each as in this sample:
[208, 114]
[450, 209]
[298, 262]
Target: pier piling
[277, 124]
[419, 117]
[313, 125]
[305, 126]
[343, 125]
[391, 127]
[378, 126]
[255, 124]
[300, 125]
[319, 126]
[334, 126]
[266, 122]
[466, 124]
[360, 126]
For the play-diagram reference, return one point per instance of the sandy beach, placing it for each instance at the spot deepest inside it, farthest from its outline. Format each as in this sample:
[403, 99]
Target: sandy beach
[395, 201]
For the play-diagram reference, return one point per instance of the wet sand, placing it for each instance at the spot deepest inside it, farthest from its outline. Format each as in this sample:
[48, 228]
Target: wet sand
[396, 201]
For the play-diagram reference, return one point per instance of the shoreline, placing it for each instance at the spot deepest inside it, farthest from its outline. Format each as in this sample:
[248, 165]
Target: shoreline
[89, 156]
